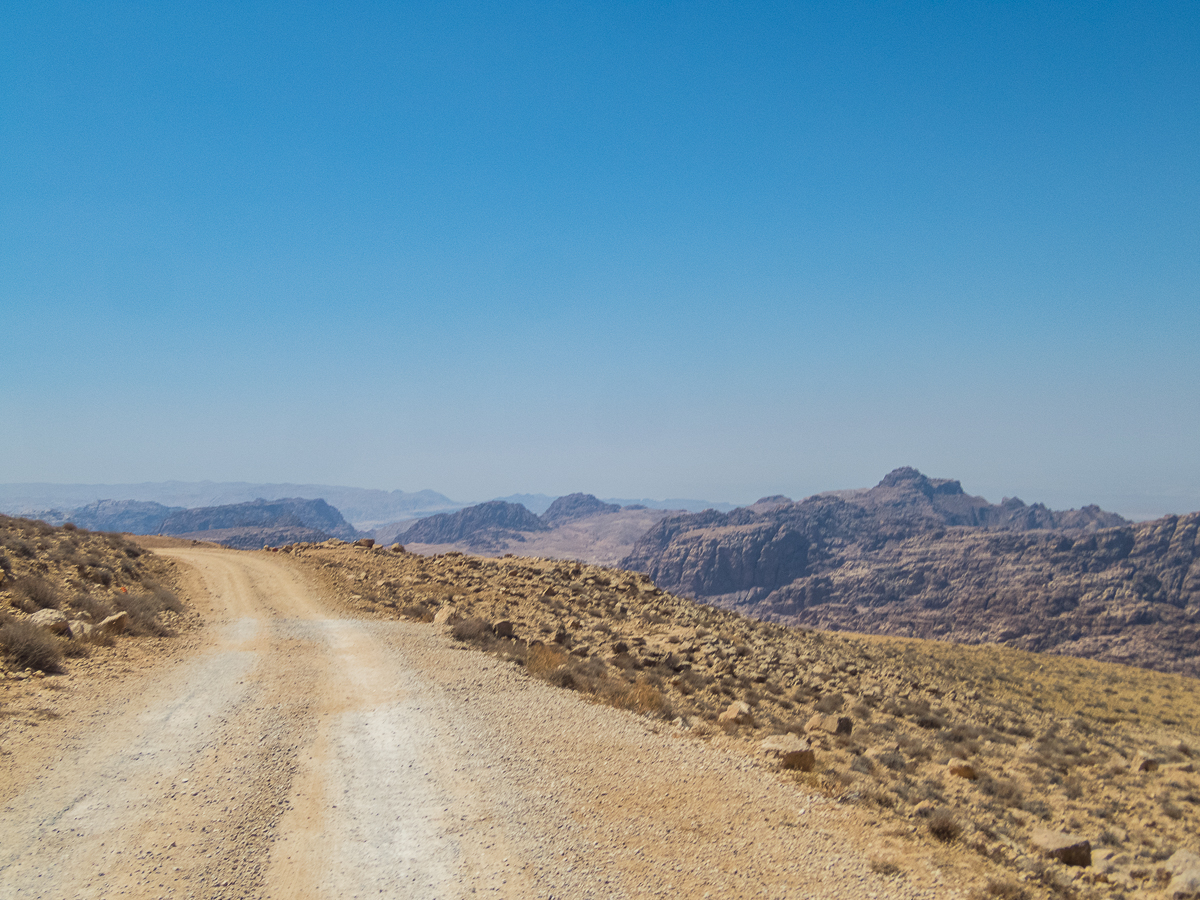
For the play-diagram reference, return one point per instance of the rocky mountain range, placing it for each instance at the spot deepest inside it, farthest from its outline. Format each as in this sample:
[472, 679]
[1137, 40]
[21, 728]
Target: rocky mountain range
[919, 557]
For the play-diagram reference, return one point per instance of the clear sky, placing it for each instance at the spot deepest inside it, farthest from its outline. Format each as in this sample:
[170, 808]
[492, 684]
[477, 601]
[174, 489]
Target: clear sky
[715, 250]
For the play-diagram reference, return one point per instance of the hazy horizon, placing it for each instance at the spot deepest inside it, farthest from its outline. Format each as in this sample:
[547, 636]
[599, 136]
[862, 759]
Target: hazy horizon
[638, 250]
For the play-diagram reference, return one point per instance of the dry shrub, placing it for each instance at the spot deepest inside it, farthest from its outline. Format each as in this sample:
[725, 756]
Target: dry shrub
[544, 659]
[97, 608]
[33, 593]
[1001, 890]
[646, 698]
[28, 647]
[884, 867]
[471, 630]
[143, 610]
[944, 825]
[416, 611]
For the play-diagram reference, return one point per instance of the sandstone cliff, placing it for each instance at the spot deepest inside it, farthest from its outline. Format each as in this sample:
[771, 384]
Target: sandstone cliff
[917, 556]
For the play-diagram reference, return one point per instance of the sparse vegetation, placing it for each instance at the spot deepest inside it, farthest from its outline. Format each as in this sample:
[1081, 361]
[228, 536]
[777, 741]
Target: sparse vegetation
[981, 744]
[85, 576]
[28, 647]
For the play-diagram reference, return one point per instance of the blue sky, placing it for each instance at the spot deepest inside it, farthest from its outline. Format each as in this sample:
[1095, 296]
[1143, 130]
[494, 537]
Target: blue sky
[655, 249]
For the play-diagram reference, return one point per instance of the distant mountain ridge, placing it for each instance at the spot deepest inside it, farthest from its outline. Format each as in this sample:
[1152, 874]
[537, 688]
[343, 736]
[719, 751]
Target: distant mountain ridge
[131, 516]
[365, 507]
[316, 517]
[481, 526]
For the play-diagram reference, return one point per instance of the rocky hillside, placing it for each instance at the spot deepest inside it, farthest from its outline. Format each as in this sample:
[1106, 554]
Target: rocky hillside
[1078, 778]
[918, 556]
[260, 522]
[482, 526]
[66, 592]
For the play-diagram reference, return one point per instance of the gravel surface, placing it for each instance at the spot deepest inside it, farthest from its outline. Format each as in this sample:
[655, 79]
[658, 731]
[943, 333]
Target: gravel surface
[296, 752]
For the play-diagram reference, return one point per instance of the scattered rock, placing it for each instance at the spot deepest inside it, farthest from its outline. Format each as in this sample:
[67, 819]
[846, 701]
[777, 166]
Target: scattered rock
[503, 628]
[1144, 763]
[790, 751]
[962, 769]
[1184, 865]
[1068, 849]
[738, 713]
[447, 615]
[830, 723]
[53, 620]
[114, 624]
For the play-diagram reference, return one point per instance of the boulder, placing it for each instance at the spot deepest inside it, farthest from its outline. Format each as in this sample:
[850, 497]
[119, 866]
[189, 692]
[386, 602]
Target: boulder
[1184, 865]
[365, 542]
[1068, 849]
[447, 615]
[830, 723]
[962, 769]
[82, 631]
[503, 628]
[397, 548]
[53, 620]
[1143, 763]
[738, 713]
[790, 751]
[114, 624]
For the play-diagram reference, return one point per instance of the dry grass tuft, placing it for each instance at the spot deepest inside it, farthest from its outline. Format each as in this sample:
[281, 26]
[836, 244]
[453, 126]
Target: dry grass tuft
[1000, 890]
[944, 825]
[30, 647]
[544, 659]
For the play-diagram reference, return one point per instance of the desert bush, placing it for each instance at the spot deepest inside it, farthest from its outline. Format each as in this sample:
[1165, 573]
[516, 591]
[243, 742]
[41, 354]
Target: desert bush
[646, 698]
[471, 630]
[144, 609]
[543, 659]
[1000, 890]
[95, 607]
[416, 611]
[28, 647]
[831, 703]
[884, 867]
[33, 593]
[16, 545]
[862, 764]
[944, 825]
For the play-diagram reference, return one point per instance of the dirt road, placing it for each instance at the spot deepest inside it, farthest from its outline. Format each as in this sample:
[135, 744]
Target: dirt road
[295, 752]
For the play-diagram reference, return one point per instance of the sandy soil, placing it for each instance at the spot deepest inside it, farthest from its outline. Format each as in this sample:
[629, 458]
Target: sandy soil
[287, 749]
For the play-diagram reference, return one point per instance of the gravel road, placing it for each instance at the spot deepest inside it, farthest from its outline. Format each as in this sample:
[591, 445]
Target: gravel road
[296, 752]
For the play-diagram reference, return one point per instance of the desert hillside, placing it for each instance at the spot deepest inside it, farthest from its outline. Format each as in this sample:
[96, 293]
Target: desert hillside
[66, 593]
[995, 749]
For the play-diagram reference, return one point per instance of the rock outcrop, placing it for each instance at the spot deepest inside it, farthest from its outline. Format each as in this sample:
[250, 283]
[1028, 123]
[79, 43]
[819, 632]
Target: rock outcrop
[575, 506]
[918, 557]
[479, 526]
